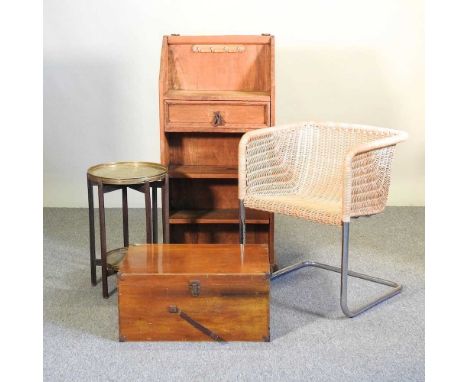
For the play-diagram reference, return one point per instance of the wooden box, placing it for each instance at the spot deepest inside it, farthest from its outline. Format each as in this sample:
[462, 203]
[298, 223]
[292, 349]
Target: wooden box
[213, 89]
[185, 292]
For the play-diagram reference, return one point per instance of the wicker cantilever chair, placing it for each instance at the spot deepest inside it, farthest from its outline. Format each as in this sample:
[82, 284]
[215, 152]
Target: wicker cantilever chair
[322, 172]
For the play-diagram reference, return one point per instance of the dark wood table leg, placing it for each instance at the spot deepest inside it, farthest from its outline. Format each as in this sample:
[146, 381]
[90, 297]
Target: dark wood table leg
[102, 227]
[165, 209]
[148, 212]
[125, 215]
[92, 239]
[154, 202]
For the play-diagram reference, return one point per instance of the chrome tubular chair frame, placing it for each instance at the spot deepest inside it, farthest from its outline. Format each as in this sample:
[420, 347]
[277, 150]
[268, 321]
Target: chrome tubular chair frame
[344, 271]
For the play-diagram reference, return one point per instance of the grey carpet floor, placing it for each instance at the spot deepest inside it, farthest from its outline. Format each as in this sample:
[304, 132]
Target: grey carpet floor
[310, 338]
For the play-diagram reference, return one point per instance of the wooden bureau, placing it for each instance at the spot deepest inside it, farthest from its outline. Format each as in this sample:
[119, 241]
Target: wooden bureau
[212, 89]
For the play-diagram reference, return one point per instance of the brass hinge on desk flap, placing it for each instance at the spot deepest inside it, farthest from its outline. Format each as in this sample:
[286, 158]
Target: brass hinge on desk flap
[195, 324]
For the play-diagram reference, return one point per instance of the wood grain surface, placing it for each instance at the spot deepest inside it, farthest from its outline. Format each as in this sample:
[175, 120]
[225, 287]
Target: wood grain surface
[208, 100]
[231, 301]
[199, 115]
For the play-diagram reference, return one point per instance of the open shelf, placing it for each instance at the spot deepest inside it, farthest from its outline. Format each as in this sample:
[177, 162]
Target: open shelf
[203, 172]
[217, 216]
[217, 95]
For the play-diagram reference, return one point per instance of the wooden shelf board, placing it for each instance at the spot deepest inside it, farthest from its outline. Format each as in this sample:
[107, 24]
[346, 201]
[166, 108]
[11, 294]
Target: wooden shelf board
[217, 95]
[210, 129]
[217, 216]
[203, 172]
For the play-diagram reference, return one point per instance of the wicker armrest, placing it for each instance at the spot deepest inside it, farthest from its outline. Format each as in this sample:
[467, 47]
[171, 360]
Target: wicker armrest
[263, 161]
[366, 177]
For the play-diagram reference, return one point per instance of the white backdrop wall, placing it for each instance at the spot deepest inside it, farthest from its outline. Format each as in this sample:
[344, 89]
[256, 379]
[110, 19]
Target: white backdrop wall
[355, 61]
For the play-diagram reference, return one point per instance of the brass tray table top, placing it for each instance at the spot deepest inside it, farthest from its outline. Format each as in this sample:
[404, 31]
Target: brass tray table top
[116, 257]
[126, 173]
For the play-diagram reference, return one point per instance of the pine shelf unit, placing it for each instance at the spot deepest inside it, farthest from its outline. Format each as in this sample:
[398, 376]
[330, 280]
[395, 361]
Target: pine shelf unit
[213, 89]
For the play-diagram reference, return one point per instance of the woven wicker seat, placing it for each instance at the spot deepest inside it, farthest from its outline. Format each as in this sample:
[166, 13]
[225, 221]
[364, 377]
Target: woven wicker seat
[302, 206]
[323, 172]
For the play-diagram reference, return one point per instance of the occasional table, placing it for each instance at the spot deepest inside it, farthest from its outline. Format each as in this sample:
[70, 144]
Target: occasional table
[144, 177]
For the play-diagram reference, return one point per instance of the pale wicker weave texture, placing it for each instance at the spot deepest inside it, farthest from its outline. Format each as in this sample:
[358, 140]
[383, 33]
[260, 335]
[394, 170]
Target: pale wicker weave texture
[321, 171]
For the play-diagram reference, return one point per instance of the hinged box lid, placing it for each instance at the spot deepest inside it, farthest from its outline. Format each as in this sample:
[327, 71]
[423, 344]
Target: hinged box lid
[202, 259]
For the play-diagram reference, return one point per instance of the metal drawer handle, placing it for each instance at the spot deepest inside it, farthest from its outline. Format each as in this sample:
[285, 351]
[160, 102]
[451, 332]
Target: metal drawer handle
[218, 119]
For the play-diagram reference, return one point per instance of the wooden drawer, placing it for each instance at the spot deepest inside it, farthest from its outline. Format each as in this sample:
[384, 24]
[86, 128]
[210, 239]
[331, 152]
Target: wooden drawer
[222, 116]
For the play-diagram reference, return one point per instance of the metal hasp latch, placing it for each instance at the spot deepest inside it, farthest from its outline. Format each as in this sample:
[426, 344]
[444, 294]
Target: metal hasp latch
[194, 287]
